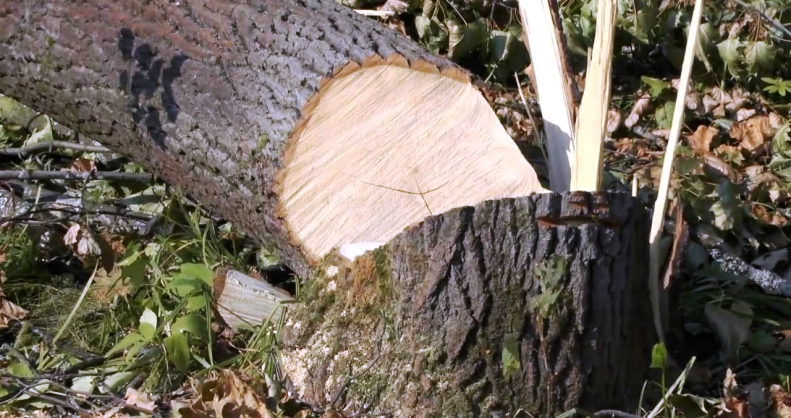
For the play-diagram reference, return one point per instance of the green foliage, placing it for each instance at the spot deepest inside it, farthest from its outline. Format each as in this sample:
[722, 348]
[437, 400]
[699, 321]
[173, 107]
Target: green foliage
[549, 274]
[658, 356]
[777, 85]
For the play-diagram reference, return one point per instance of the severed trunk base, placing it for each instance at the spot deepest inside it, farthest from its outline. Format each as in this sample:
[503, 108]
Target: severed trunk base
[446, 319]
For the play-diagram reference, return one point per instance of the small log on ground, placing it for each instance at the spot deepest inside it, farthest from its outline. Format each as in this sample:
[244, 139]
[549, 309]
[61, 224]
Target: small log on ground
[537, 303]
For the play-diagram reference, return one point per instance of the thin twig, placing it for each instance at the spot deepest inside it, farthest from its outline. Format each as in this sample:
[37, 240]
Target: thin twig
[774, 22]
[50, 145]
[76, 305]
[352, 378]
[73, 175]
[660, 205]
[611, 413]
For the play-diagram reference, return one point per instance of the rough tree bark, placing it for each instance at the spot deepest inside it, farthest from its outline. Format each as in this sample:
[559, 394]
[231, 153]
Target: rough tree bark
[231, 92]
[440, 321]
[208, 94]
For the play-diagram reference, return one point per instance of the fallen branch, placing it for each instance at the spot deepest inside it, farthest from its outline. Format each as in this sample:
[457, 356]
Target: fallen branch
[770, 282]
[49, 146]
[73, 175]
[774, 22]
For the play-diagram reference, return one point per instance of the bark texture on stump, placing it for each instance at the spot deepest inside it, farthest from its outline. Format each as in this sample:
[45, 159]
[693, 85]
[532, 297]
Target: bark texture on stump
[439, 322]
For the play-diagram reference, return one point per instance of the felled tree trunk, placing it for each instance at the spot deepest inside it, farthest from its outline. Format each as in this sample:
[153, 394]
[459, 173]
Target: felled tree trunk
[307, 125]
[324, 134]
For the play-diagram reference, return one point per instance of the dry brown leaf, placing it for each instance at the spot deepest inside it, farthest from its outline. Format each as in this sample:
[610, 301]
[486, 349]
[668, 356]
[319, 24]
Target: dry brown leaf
[753, 132]
[139, 399]
[226, 393]
[662, 133]
[743, 114]
[739, 98]
[680, 238]
[9, 311]
[780, 403]
[734, 408]
[640, 106]
[108, 286]
[83, 165]
[700, 140]
[693, 100]
[785, 341]
[733, 404]
[709, 104]
[770, 217]
[718, 164]
[613, 120]
[720, 96]
[396, 6]
[776, 121]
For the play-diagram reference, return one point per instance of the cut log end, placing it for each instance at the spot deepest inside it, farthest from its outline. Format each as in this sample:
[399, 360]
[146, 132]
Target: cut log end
[381, 146]
[242, 301]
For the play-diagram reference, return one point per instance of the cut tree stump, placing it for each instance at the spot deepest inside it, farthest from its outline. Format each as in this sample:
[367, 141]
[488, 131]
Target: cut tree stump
[324, 134]
[442, 321]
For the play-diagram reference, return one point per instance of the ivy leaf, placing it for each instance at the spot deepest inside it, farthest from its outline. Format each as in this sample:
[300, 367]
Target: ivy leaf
[707, 34]
[727, 210]
[463, 39]
[759, 57]
[730, 55]
[178, 351]
[664, 115]
[655, 85]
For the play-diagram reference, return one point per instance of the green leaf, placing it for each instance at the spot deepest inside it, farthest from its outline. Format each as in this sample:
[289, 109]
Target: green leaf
[21, 369]
[759, 57]
[731, 328]
[178, 351]
[196, 271]
[128, 341]
[781, 142]
[728, 210]
[658, 356]
[730, 54]
[148, 324]
[707, 36]
[182, 287]
[691, 406]
[84, 383]
[192, 323]
[116, 380]
[656, 86]
[762, 342]
[664, 115]
[196, 302]
[464, 39]
[510, 356]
